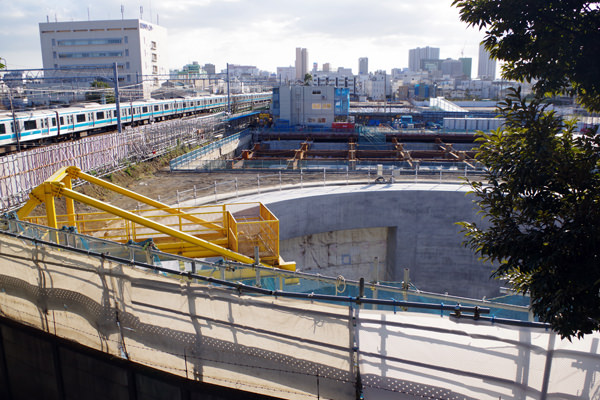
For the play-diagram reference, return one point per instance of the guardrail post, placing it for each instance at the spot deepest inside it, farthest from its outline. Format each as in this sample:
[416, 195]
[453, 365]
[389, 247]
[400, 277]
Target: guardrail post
[177, 192]
[194, 194]
[440, 175]
[280, 181]
[346, 174]
[323, 176]
[258, 182]
[301, 180]
[236, 188]
[256, 265]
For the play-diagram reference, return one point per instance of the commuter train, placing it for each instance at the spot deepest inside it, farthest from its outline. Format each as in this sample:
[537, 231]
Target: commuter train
[48, 125]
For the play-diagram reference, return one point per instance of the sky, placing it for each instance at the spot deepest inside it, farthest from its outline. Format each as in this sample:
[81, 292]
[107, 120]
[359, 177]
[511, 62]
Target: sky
[263, 33]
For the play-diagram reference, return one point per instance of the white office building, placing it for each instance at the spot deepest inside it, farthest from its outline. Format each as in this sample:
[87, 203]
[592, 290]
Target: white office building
[487, 66]
[301, 63]
[286, 75]
[418, 55]
[363, 66]
[138, 47]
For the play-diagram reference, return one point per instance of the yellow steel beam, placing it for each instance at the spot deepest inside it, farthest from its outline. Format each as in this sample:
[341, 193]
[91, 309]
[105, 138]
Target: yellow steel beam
[76, 172]
[49, 200]
[60, 188]
[69, 202]
[36, 197]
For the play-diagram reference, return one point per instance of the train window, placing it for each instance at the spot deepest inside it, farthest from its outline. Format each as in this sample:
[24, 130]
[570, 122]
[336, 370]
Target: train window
[145, 109]
[114, 113]
[155, 108]
[30, 125]
[80, 117]
[100, 115]
[2, 129]
[166, 106]
[53, 121]
[62, 120]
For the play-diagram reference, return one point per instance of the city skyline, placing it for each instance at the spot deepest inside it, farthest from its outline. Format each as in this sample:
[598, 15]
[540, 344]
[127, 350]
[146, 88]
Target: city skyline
[264, 34]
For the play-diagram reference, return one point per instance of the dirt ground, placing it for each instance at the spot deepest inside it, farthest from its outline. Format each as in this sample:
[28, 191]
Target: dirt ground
[153, 179]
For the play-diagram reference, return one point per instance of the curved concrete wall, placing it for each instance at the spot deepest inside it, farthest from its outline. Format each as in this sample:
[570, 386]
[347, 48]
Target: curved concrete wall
[422, 231]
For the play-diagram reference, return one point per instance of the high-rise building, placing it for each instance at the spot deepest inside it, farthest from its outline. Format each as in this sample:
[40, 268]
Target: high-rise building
[487, 66]
[421, 53]
[466, 66]
[138, 47]
[301, 63]
[326, 67]
[210, 69]
[452, 68]
[363, 66]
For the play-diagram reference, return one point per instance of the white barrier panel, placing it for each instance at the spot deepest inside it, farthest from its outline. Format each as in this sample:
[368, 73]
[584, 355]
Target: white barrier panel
[285, 348]
[278, 347]
[423, 355]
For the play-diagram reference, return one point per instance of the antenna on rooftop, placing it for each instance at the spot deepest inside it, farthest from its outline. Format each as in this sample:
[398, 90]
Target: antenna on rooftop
[122, 11]
[141, 12]
[47, 18]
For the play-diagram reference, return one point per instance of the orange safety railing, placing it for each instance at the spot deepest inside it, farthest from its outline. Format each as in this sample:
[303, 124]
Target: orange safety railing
[240, 227]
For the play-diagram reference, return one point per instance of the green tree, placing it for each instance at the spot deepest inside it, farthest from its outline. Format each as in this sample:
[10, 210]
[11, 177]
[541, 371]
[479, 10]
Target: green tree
[541, 197]
[102, 90]
[541, 191]
[308, 79]
[556, 42]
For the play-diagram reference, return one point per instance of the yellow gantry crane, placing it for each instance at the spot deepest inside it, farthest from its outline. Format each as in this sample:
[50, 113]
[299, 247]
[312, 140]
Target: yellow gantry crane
[210, 231]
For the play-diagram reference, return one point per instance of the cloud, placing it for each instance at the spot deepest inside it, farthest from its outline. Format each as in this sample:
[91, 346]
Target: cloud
[264, 33]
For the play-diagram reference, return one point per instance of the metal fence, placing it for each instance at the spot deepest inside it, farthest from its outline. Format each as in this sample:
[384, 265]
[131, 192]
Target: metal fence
[275, 332]
[249, 182]
[183, 162]
[99, 154]
[319, 287]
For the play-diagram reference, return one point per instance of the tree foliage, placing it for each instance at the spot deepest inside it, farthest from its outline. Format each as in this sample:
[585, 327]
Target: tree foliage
[541, 197]
[556, 42]
[102, 92]
[308, 79]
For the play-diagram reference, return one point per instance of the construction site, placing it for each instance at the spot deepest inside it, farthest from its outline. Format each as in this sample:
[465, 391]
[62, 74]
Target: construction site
[339, 274]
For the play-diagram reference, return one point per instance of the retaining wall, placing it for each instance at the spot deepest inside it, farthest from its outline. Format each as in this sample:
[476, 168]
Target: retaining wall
[422, 234]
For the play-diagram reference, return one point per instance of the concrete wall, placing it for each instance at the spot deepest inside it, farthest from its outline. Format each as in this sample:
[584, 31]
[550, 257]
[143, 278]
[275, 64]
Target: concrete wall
[353, 253]
[422, 234]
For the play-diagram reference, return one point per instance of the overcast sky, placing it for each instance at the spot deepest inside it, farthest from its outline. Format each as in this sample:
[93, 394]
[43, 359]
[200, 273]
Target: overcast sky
[263, 33]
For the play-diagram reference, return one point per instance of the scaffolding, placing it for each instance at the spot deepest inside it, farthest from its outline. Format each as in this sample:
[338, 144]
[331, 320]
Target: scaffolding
[247, 233]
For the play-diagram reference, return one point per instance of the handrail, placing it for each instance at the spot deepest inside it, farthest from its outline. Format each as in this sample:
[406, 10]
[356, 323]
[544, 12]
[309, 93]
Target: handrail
[266, 271]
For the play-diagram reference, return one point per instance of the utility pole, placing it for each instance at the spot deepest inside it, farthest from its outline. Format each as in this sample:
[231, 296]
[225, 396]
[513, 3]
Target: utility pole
[117, 99]
[228, 94]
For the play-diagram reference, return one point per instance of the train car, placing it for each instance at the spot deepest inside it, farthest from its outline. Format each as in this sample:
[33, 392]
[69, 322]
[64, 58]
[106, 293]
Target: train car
[44, 126]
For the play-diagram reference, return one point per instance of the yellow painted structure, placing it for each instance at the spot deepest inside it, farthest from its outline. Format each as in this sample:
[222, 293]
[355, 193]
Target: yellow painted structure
[231, 231]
